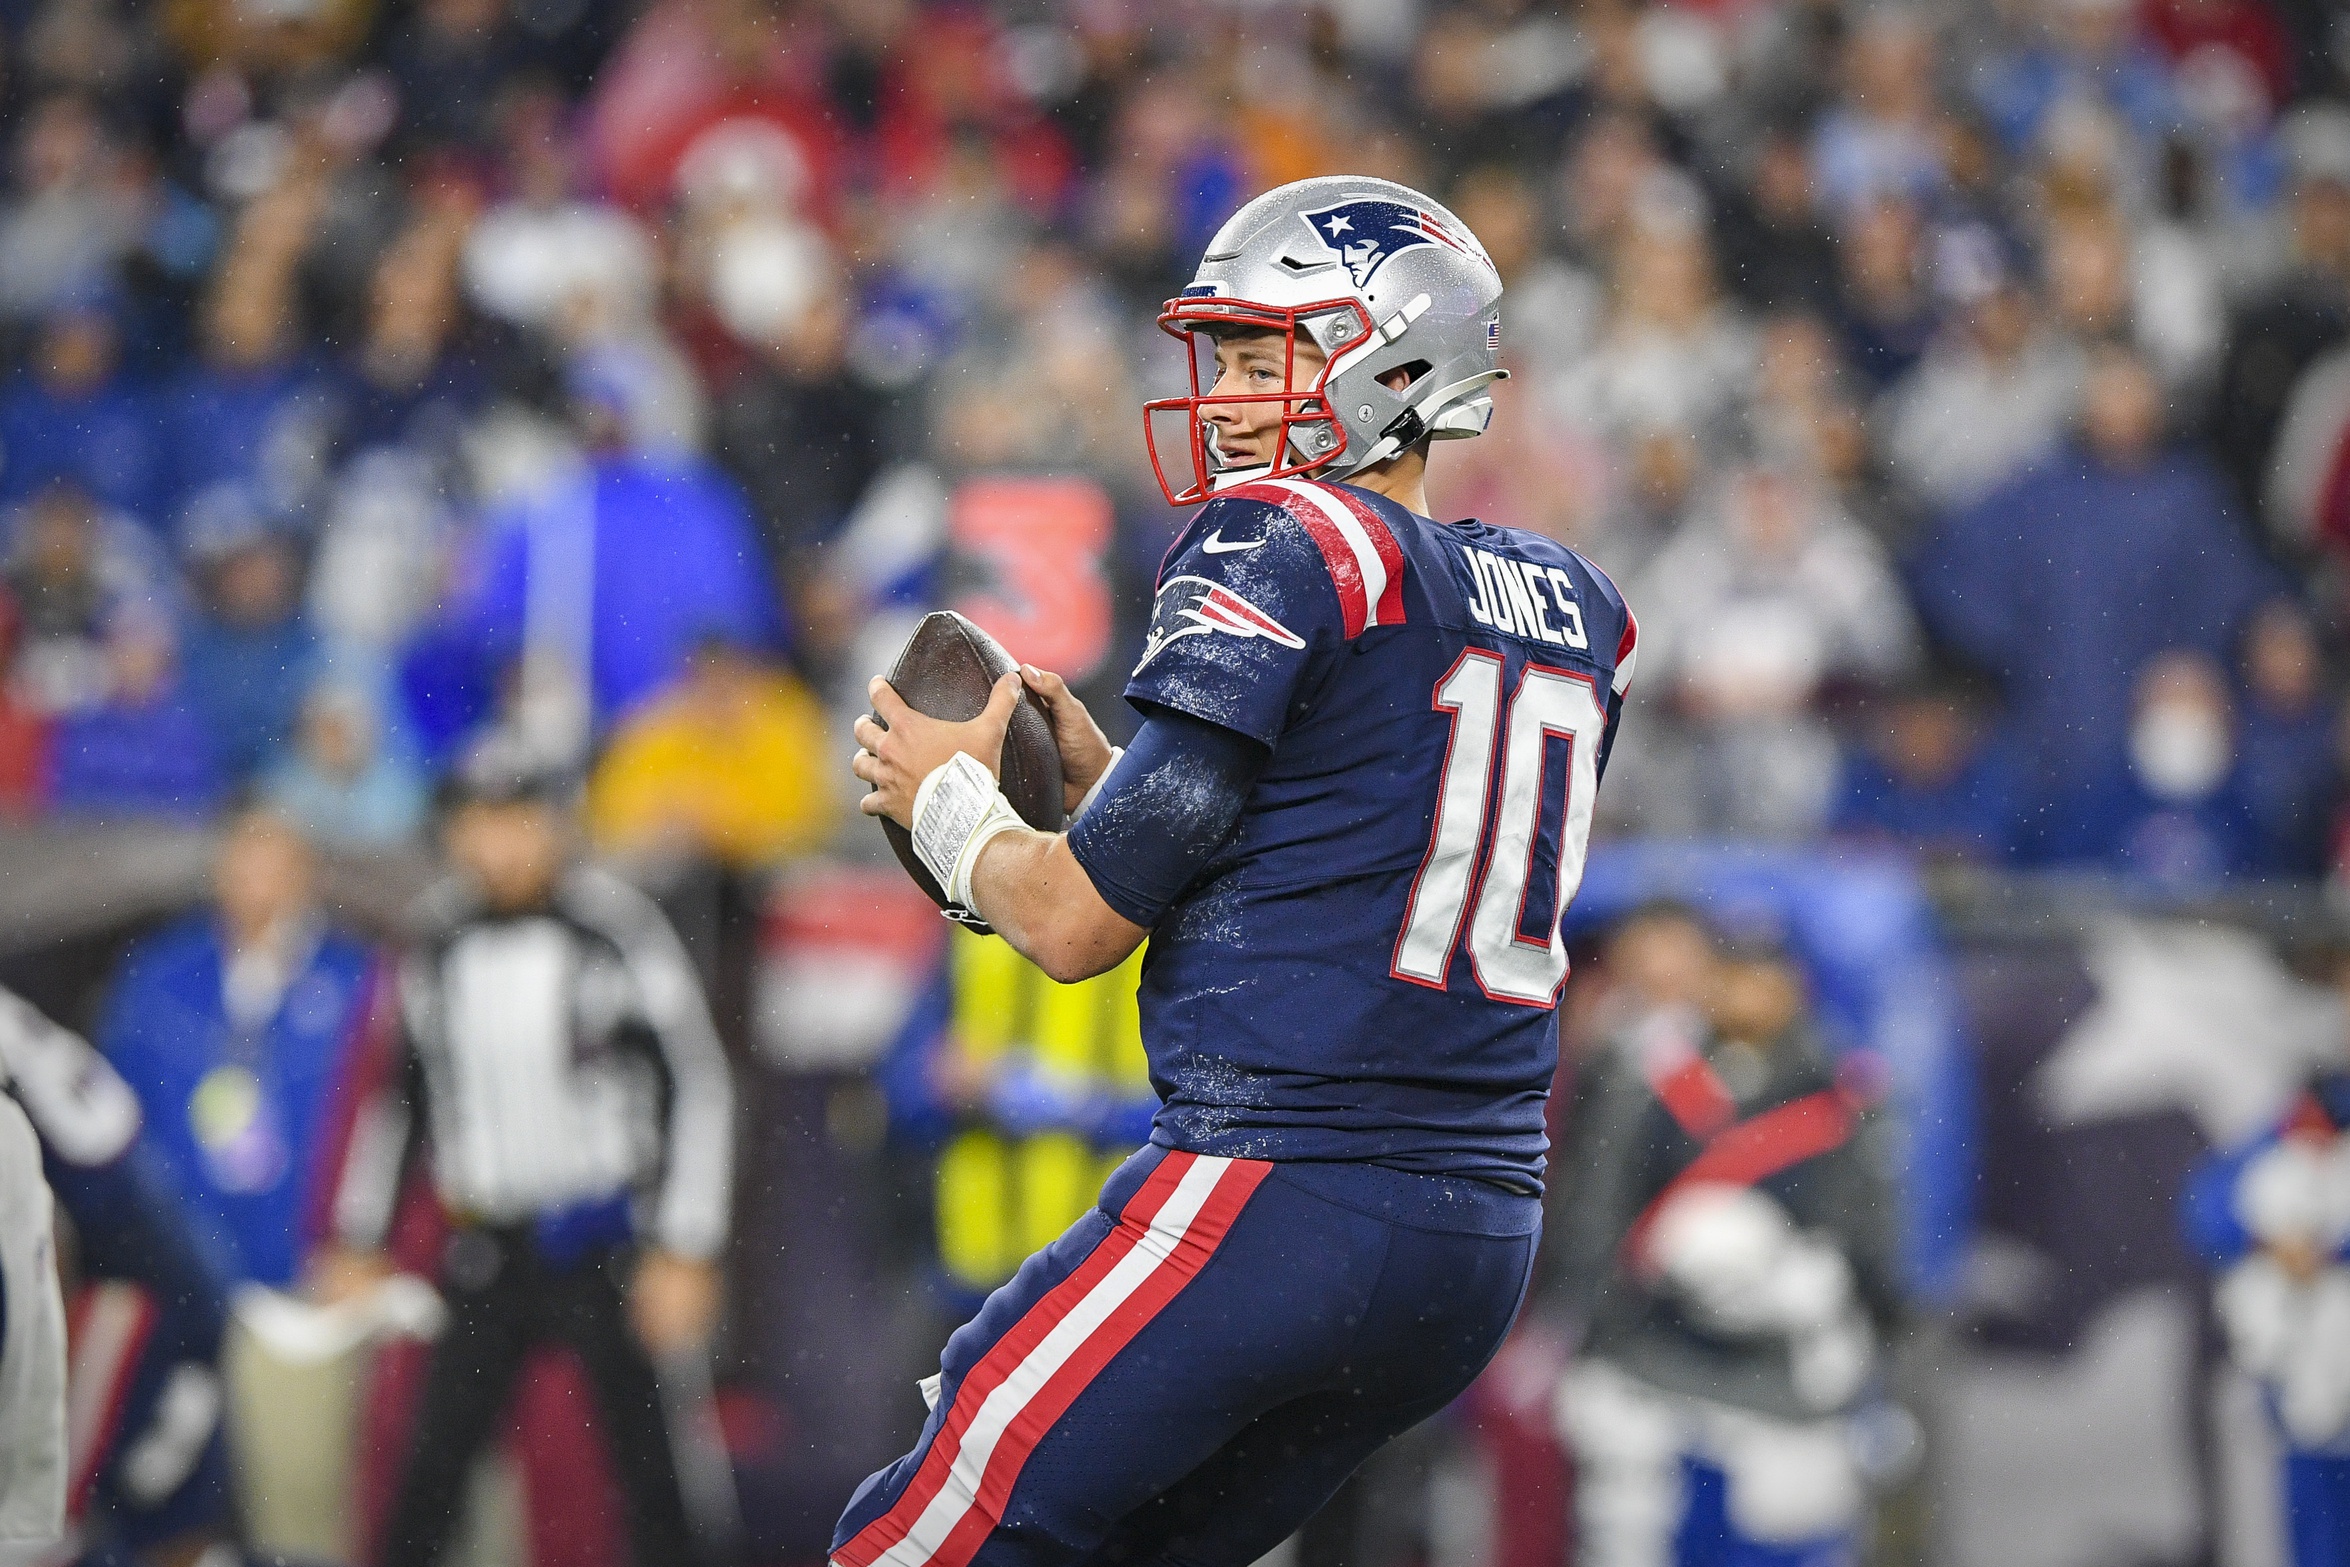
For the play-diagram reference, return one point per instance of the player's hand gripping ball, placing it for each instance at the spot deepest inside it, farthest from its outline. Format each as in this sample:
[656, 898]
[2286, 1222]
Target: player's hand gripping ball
[954, 688]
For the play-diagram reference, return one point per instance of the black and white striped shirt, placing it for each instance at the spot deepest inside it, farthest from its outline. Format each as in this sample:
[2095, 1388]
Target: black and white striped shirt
[560, 1057]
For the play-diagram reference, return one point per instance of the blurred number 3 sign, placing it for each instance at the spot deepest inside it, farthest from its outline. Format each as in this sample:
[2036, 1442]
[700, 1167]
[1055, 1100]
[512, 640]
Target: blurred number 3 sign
[1038, 545]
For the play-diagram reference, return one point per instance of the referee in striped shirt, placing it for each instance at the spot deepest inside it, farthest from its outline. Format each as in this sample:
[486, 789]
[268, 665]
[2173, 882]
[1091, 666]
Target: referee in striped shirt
[558, 1060]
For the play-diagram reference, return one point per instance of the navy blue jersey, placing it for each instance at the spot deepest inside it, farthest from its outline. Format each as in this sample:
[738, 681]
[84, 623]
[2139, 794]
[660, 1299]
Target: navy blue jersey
[1368, 968]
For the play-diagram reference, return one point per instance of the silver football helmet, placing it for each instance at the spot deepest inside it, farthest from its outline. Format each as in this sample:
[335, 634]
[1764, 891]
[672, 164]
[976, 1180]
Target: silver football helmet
[1380, 278]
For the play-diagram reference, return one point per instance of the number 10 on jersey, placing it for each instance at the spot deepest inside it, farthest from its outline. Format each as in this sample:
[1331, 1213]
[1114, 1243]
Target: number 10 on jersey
[1485, 838]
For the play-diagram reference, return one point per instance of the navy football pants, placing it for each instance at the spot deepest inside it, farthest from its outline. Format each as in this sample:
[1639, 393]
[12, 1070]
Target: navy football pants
[1190, 1371]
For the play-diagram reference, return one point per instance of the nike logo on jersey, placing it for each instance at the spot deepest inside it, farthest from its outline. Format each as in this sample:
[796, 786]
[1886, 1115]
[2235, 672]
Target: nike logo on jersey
[1196, 607]
[1510, 595]
[1215, 543]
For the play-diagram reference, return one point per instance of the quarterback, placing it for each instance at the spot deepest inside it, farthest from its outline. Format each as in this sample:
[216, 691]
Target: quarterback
[1355, 808]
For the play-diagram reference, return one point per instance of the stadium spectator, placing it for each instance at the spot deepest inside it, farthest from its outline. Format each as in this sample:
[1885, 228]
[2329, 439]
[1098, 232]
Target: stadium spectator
[2114, 550]
[803, 432]
[614, 574]
[71, 221]
[24, 730]
[1987, 401]
[144, 748]
[2281, 329]
[72, 568]
[1732, 1341]
[235, 1027]
[1926, 775]
[346, 784]
[2081, 58]
[2287, 740]
[730, 764]
[2273, 1216]
[252, 410]
[1764, 601]
[1886, 313]
[72, 414]
[250, 654]
[1776, 253]
[2178, 814]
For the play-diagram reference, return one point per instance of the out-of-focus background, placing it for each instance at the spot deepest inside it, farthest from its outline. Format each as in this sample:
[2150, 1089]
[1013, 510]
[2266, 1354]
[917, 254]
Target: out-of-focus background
[1960, 394]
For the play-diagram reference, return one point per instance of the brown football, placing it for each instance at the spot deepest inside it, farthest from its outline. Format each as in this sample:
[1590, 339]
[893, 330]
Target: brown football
[946, 670]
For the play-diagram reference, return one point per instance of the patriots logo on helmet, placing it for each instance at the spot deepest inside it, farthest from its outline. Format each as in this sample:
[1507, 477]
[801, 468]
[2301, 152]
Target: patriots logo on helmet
[1193, 607]
[1366, 232]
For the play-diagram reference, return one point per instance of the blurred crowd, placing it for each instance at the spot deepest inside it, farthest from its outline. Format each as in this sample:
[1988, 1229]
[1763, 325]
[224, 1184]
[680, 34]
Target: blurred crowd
[1958, 392]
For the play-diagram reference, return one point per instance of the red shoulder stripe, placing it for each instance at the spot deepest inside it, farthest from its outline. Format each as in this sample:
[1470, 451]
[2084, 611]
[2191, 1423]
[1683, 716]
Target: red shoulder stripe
[1389, 611]
[1345, 572]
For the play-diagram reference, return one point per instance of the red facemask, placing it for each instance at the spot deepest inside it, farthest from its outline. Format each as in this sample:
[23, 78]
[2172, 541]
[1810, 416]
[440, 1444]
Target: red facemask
[1304, 409]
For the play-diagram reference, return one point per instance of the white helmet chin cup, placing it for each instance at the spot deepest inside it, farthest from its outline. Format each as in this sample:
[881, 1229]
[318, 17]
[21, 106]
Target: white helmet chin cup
[1427, 288]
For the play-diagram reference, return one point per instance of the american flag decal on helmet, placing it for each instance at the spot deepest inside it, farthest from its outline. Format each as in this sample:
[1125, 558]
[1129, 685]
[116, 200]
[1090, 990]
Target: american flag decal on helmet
[1493, 334]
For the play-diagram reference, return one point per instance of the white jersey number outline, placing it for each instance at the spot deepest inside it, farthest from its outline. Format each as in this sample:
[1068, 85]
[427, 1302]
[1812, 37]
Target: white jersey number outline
[1487, 843]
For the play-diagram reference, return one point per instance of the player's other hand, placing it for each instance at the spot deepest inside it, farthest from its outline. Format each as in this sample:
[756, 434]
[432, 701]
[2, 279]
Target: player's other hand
[904, 747]
[1085, 750]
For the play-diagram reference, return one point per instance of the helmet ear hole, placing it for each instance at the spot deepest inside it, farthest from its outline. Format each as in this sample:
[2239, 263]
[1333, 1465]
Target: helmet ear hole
[1405, 376]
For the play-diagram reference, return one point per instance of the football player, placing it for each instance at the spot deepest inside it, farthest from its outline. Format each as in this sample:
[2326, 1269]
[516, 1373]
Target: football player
[145, 1468]
[1355, 808]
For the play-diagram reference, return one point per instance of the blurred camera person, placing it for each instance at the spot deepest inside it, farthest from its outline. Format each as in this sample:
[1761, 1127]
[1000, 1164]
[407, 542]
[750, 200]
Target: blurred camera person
[2273, 1216]
[1737, 1334]
[1659, 967]
[558, 1059]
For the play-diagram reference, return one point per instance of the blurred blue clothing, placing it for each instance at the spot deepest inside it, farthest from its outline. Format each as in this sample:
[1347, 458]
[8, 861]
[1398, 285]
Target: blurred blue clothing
[1856, 160]
[2288, 772]
[258, 427]
[152, 758]
[1883, 349]
[2180, 844]
[2063, 584]
[671, 558]
[1709, 1535]
[237, 1115]
[2208, 1205]
[248, 683]
[2317, 1508]
[428, 414]
[2134, 83]
[107, 443]
[1970, 815]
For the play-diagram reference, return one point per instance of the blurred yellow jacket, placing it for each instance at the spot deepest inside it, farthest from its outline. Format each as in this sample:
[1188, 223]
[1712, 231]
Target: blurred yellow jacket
[742, 774]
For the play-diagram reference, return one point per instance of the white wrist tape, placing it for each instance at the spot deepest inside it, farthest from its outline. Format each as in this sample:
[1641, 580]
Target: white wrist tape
[957, 811]
[1117, 755]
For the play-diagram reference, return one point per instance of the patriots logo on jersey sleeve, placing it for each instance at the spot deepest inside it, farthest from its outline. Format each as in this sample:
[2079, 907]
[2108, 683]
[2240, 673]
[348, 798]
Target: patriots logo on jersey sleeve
[1366, 232]
[1195, 607]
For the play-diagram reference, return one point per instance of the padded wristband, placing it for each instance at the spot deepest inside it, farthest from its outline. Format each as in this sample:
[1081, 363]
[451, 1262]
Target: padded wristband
[957, 811]
[1117, 755]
